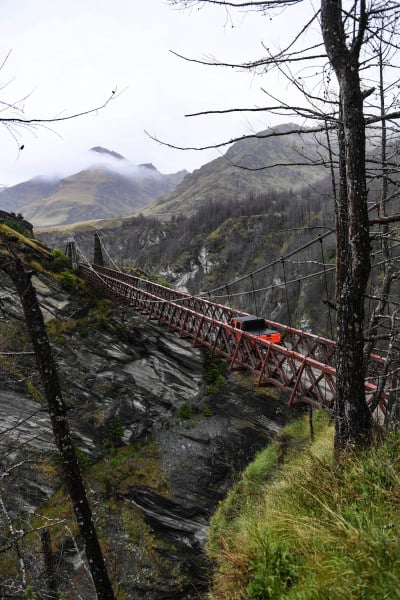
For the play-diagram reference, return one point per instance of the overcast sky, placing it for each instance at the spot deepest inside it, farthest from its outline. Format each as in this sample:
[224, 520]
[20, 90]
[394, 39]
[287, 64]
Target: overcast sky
[69, 55]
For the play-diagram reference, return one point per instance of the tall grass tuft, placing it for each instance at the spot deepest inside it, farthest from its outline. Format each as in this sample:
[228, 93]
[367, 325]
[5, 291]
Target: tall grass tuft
[300, 526]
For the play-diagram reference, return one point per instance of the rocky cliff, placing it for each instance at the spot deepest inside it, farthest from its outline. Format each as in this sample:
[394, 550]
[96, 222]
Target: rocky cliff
[162, 431]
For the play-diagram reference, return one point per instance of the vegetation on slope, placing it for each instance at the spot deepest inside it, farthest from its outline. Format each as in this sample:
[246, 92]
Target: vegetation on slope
[300, 526]
[223, 179]
[222, 241]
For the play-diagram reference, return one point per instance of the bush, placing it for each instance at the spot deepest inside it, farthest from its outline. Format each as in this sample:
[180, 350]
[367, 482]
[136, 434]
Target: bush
[68, 279]
[214, 373]
[102, 322]
[114, 435]
[185, 411]
[59, 262]
[18, 227]
[207, 410]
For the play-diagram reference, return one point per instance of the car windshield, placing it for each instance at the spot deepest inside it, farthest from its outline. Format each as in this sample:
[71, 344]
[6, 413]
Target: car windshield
[255, 325]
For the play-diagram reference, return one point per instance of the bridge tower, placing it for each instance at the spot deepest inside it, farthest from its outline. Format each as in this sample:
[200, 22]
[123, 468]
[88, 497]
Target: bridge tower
[98, 253]
[70, 252]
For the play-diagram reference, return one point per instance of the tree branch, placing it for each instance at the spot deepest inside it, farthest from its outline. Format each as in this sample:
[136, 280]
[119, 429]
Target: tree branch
[22, 121]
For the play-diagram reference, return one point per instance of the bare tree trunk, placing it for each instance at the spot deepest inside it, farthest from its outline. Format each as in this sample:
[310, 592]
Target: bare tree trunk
[57, 410]
[51, 577]
[353, 417]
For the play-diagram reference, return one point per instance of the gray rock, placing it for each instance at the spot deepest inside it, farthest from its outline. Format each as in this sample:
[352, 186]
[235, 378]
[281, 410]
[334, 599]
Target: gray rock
[137, 380]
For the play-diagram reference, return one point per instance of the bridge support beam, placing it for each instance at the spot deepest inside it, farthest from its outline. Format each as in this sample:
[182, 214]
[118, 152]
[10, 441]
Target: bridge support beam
[98, 253]
[70, 252]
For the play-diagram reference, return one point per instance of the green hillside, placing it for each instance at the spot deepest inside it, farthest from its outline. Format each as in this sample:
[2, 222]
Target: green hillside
[298, 526]
[97, 194]
[244, 169]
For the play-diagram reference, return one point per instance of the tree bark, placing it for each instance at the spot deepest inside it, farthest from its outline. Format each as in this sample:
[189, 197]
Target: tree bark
[51, 577]
[353, 423]
[58, 414]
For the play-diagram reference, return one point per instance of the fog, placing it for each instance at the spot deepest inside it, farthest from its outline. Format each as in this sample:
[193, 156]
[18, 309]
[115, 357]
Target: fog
[92, 160]
[69, 57]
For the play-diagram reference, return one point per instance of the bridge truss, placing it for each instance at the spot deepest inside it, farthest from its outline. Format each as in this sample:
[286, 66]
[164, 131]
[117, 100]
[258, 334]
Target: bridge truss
[303, 364]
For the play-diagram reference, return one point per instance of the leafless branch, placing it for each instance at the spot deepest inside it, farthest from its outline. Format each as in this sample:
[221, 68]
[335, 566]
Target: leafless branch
[35, 121]
[382, 220]
[270, 134]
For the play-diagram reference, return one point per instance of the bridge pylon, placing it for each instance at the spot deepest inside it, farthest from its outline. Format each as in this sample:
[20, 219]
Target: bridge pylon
[70, 252]
[98, 253]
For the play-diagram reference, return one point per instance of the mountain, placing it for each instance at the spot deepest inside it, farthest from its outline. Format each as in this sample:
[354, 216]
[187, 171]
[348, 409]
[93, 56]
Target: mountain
[222, 222]
[111, 186]
[13, 199]
[247, 167]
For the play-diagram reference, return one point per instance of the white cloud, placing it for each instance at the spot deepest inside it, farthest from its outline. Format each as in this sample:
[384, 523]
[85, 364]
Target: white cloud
[70, 55]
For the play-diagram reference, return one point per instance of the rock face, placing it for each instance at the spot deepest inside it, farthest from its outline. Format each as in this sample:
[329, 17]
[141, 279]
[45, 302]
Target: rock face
[160, 445]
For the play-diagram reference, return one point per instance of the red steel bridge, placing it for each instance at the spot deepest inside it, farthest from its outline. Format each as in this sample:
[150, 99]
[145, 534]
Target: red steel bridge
[303, 364]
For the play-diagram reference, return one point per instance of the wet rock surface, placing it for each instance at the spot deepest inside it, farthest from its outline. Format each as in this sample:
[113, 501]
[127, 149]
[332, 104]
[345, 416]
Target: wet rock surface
[133, 376]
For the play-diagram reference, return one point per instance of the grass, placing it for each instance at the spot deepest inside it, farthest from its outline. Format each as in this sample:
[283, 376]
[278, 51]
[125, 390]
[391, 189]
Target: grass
[300, 526]
[135, 465]
[17, 239]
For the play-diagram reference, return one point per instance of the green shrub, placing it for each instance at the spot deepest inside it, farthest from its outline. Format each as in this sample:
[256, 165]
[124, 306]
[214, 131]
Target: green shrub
[68, 279]
[214, 373]
[114, 435]
[102, 322]
[185, 411]
[207, 410]
[18, 227]
[59, 262]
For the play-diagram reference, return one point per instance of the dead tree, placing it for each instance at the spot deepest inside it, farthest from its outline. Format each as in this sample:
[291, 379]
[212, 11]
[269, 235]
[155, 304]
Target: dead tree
[13, 267]
[344, 54]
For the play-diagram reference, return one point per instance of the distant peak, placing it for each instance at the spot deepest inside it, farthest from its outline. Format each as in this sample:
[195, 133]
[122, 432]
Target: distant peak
[101, 150]
[148, 166]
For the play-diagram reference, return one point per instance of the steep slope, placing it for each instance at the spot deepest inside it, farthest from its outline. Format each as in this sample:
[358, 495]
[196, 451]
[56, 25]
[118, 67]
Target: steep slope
[302, 526]
[22, 194]
[97, 194]
[161, 431]
[243, 170]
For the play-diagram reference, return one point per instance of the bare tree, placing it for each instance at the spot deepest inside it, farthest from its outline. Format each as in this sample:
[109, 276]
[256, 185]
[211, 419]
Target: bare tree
[345, 59]
[13, 267]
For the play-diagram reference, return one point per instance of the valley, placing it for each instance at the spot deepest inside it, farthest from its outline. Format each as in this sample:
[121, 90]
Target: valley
[162, 430]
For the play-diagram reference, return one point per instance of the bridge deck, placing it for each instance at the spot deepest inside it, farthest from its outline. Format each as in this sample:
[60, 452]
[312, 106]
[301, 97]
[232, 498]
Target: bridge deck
[303, 364]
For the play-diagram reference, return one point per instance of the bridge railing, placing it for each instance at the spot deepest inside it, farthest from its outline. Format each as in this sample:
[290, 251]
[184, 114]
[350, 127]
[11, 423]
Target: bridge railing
[308, 344]
[292, 366]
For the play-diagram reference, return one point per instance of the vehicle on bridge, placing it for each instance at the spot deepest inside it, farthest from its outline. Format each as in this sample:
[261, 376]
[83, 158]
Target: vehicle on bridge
[255, 326]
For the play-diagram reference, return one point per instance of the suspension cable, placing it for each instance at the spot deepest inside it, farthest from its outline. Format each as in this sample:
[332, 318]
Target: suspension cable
[107, 254]
[286, 292]
[89, 264]
[271, 264]
[326, 288]
[272, 286]
[254, 296]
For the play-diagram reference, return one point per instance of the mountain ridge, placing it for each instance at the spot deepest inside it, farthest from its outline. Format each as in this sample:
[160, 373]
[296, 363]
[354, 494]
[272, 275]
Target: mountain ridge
[112, 187]
[108, 187]
[246, 167]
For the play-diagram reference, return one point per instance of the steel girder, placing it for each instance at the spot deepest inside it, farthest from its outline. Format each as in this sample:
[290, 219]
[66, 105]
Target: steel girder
[303, 365]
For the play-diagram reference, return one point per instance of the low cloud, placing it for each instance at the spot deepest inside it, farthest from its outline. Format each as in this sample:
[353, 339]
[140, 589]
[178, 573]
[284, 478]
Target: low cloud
[94, 160]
